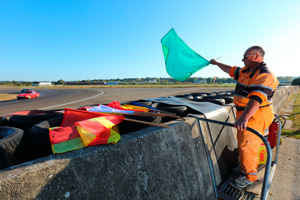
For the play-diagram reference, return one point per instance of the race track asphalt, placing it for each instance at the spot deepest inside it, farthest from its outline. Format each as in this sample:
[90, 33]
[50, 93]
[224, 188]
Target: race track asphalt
[73, 98]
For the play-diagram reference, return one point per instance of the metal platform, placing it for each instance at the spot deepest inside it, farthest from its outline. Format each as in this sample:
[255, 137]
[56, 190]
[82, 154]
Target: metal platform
[260, 188]
[229, 191]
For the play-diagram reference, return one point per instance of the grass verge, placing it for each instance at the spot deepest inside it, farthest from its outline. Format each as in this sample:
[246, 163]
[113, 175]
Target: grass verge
[7, 97]
[294, 131]
[183, 85]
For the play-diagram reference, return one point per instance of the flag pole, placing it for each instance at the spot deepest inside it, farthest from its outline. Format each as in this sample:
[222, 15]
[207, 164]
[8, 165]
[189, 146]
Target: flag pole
[145, 114]
[218, 58]
[143, 122]
[157, 114]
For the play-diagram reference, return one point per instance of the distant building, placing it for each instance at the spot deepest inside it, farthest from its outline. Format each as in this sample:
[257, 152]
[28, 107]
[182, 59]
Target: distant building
[87, 83]
[201, 81]
[113, 83]
[285, 82]
[41, 84]
[152, 81]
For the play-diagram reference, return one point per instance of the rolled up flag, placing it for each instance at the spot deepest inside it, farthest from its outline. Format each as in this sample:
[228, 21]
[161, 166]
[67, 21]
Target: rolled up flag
[83, 128]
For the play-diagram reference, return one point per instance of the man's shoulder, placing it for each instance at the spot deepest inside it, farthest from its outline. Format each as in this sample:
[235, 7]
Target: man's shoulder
[264, 69]
[265, 76]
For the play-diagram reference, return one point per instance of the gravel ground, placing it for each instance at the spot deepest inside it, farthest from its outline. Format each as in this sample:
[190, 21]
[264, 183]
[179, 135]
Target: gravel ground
[286, 180]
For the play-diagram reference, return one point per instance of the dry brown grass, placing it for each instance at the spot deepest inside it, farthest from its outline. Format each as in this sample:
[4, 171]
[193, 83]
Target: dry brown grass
[7, 97]
[190, 85]
[294, 131]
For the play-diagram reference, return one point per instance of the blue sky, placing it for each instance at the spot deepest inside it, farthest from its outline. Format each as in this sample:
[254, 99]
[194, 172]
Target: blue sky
[48, 40]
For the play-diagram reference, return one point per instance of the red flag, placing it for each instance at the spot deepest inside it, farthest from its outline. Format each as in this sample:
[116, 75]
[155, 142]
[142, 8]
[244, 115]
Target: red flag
[83, 128]
[71, 116]
[215, 79]
[117, 105]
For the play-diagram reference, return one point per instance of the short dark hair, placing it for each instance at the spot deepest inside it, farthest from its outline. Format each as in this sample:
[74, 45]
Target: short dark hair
[259, 49]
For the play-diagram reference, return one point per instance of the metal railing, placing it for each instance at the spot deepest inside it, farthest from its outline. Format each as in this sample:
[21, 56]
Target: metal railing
[267, 181]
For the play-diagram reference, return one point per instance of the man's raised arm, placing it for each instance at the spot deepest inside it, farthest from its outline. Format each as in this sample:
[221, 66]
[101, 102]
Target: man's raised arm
[225, 68]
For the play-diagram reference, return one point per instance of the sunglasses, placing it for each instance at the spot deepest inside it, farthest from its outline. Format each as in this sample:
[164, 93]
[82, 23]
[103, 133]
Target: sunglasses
[249, 55]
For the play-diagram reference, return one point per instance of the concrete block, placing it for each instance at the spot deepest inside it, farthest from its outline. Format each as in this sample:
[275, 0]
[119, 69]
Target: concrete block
[281, 96]
[153, 163]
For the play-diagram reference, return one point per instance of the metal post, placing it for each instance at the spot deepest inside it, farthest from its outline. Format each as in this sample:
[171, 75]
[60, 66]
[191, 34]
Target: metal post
[265, 188]
[213, 178]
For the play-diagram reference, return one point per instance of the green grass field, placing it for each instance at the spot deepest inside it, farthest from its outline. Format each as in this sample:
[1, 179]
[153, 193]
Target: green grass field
[294, 131]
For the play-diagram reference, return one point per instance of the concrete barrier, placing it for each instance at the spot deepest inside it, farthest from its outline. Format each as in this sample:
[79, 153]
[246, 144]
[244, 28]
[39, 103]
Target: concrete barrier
[282, 95]
[154, 163]
[189, 160]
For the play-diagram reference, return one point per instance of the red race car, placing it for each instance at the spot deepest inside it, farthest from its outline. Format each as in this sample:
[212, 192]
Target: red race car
[28, 95]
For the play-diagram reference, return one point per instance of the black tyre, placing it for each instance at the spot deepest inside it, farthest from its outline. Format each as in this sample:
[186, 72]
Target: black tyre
[181, 111]
[4, 163]
[11, 146]
[198, 94]
[178, 110]
[221, 93]
[228, 99]
[229, 93]
[38, 137]
[214, 100]
[127, 126]
[198, 97]
[211, 94]
[25, 122]
[143, 102]
[187, 96]
[3, 121]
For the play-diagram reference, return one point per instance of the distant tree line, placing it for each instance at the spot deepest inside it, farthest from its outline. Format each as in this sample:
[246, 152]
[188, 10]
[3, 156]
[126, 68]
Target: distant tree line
[148, 80]
[16, 83]
[296, 81]
[286, 78]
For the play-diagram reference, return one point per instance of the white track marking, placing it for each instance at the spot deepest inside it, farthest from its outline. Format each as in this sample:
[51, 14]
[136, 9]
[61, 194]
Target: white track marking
[73, 101]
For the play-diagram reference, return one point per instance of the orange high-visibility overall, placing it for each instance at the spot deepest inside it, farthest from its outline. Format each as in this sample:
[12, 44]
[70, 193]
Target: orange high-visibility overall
[260, 86]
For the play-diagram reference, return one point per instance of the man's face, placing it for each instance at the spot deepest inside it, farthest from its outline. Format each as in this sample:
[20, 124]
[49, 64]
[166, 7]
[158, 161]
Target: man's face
[249, 58]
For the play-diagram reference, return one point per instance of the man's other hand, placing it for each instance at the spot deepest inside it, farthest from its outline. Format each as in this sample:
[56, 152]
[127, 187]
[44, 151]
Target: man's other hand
[240, 124]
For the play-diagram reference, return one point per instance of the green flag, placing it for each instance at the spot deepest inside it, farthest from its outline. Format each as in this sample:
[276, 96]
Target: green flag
[181, 61]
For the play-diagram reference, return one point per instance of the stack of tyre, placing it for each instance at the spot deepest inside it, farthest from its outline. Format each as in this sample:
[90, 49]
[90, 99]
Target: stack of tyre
[26, 137]
[220, 98]
[21, 137]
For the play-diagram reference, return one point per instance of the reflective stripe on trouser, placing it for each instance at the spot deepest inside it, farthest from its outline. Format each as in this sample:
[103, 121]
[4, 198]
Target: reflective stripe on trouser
[249, 143]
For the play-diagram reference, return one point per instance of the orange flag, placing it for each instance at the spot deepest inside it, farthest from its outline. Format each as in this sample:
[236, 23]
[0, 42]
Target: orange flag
[83, 128]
